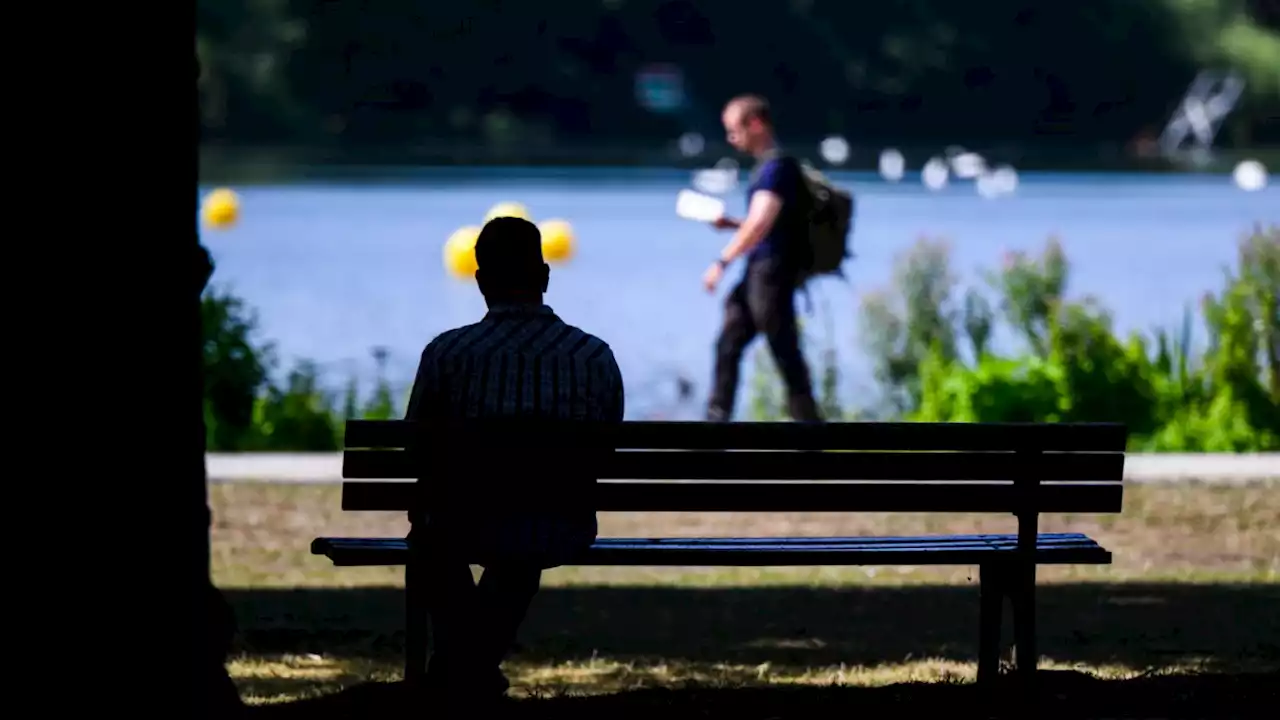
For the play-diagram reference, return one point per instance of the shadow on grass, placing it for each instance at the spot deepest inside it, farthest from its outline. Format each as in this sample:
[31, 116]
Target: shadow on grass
[1063, 695]
[1215, 628]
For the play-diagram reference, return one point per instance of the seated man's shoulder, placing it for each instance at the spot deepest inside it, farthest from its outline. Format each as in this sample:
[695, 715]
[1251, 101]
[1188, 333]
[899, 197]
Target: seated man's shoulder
[584, 335]
[449, 338]
[586, 345]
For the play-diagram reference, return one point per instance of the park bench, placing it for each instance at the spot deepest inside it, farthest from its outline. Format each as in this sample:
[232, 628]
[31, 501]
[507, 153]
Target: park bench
[1020, 469]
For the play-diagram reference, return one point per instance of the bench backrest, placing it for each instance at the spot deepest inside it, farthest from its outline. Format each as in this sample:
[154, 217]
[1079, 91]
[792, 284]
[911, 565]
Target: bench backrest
[694, 466]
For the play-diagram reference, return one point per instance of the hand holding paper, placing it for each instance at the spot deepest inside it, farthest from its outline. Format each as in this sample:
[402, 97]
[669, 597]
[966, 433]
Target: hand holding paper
[695, 206]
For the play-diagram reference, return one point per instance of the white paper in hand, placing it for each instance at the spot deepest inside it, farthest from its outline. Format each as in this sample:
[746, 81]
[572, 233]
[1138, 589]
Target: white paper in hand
[692, 205]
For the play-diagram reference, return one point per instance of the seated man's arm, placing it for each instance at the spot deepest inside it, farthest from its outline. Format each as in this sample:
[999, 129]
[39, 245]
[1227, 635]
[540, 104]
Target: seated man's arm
[607, 406]
[425, 399]
[617, 397]
[425, 403]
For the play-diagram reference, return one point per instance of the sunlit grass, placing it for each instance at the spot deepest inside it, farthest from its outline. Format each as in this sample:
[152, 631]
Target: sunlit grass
[1196, 568]
[271, 679]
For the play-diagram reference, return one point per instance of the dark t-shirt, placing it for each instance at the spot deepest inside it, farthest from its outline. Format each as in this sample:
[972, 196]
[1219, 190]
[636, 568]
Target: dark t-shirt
[781, 176]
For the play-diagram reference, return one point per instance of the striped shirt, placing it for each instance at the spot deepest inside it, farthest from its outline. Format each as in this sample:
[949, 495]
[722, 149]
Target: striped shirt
[520, 361]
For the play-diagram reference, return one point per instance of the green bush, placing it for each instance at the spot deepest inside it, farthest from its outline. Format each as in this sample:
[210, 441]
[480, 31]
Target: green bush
[933, 361]
[236, 367]
[298, 415]
[245, 410]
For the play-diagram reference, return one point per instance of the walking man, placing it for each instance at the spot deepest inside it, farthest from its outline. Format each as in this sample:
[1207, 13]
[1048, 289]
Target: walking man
[773, 241]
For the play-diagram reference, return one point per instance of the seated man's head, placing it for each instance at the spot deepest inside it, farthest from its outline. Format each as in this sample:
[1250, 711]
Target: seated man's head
[509, 258]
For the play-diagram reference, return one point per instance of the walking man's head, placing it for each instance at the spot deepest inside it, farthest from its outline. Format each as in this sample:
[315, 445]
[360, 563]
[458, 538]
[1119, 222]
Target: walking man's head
[509, 262]
[748, 124]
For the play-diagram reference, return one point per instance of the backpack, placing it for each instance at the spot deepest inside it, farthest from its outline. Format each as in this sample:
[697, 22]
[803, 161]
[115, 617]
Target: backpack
[831, 215]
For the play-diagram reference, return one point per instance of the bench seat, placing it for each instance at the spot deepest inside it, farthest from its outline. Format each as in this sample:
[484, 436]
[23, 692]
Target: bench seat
[1051, 548]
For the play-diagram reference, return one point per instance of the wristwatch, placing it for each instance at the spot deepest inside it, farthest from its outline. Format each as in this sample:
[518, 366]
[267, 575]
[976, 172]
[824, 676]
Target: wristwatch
[722, 263]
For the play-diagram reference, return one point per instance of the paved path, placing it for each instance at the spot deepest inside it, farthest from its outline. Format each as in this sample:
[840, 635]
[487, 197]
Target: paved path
[327, 467]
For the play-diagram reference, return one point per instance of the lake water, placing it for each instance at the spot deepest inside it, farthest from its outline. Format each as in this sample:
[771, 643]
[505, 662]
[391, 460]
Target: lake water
[336, 269]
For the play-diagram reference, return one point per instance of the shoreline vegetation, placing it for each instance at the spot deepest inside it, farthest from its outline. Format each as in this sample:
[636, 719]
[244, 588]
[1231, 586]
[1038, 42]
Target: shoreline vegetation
[929, 346]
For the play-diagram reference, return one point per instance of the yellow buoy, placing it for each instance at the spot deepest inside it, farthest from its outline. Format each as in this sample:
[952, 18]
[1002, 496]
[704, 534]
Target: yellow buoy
[557, 240]
[460, 252]
[508, 209]
[221, 208]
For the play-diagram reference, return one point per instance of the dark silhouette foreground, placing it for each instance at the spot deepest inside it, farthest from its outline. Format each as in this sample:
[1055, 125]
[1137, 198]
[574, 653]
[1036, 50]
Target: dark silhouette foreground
[1229, 632]
[1227, 628]
[1062, 695]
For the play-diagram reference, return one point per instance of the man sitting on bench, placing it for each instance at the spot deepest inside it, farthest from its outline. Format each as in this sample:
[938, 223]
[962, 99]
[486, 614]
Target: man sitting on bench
[519, 362]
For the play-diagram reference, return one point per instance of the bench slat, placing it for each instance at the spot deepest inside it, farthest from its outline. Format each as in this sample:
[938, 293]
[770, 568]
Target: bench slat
[728, 496]
[1051, 548]
[1067, 437]
[855, 541]
[776, 465]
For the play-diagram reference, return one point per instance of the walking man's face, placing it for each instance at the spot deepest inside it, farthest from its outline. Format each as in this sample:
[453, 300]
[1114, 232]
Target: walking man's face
[744, 133]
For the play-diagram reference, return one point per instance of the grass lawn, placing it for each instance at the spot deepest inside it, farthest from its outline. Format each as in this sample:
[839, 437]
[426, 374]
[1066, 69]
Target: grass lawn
[1184, 616]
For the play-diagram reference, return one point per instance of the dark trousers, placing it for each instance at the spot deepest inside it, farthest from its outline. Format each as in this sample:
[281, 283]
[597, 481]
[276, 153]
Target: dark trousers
[473, 625]
[763, 302]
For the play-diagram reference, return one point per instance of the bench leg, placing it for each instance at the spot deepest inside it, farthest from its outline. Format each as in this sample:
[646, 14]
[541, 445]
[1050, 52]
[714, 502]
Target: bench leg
[417, 638]
[992, 590]
[1023, 587]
